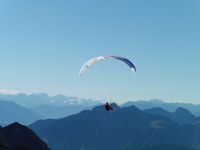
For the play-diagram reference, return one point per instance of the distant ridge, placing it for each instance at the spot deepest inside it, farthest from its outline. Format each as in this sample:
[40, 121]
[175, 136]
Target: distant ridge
[34, 100]
[11, 112]
[171, 107]
[57, 106]
[181, 116]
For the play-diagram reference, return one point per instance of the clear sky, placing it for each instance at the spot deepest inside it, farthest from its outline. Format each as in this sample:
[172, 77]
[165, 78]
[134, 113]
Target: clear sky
[44, 43]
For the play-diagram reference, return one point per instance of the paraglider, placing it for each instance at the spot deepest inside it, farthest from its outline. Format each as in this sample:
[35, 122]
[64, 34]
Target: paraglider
[96, 59]
[107, 105]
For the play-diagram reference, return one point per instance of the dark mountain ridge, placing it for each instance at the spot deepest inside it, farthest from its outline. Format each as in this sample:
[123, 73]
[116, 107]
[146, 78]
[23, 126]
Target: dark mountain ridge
[19, 137]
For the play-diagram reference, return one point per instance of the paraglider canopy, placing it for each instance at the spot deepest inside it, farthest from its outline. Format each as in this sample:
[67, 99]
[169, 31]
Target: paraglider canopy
[107, 105]
[96, 59]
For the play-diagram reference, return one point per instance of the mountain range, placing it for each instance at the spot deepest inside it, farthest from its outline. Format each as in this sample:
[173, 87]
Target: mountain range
[26, 108]
[127, 128]
[59, 106]
[50, 106]
[34, 100]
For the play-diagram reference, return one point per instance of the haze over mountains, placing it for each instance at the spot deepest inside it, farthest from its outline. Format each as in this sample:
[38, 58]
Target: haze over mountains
[169, 106]
[26, 108]
[34, 100]
[46, 106]
[11, 112]
[181, 115]
[39, 102]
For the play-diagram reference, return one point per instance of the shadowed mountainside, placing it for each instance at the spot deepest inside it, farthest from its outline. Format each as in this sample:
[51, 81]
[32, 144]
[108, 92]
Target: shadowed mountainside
[19, 137]
[120, 129]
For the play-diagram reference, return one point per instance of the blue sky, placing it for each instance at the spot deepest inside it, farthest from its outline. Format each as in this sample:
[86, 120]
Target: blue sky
[43, 45]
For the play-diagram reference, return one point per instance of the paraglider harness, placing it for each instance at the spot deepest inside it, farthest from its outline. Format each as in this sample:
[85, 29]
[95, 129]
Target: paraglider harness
[108, 106]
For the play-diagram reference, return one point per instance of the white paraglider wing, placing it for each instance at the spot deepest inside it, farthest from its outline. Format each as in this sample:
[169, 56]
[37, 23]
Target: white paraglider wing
[96, 59]
[89, 63]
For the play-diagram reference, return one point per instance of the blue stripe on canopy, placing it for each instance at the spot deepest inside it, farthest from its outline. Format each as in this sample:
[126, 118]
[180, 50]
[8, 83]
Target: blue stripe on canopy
[128, 62]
